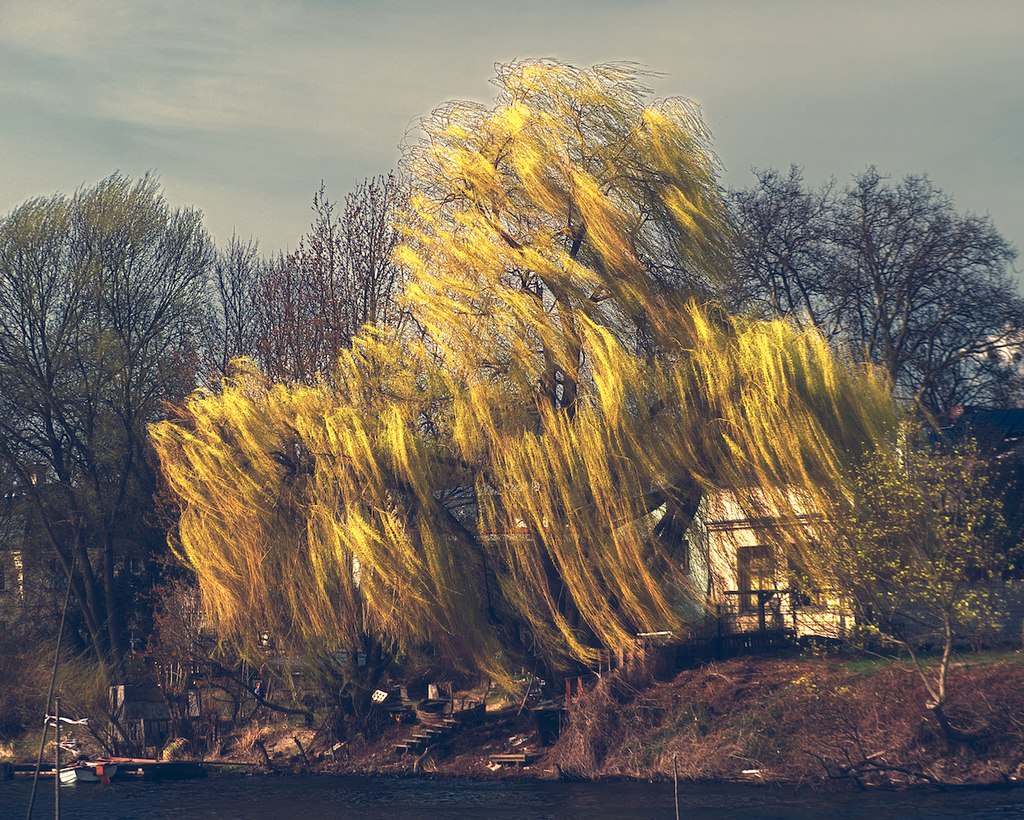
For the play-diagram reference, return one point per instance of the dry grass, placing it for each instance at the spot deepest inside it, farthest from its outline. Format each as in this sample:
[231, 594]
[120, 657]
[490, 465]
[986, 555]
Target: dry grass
[25, 669]
[796, 721]
[21, 700]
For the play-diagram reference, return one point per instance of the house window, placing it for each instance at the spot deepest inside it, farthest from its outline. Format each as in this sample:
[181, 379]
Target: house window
[755, 570]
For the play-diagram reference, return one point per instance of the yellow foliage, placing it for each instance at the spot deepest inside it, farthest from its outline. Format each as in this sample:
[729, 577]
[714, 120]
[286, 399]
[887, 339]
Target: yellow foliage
[285, 491]
[493, 487]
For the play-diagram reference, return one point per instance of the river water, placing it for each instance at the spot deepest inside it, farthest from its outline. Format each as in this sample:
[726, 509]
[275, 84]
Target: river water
[313, 797]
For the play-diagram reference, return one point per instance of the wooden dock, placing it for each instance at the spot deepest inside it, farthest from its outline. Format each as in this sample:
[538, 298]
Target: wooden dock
[144, 768]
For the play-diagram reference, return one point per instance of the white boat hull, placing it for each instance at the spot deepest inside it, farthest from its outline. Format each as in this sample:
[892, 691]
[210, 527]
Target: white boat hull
[88, 773]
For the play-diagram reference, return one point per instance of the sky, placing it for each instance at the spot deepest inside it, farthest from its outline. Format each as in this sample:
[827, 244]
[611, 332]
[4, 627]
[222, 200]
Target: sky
[242, 107]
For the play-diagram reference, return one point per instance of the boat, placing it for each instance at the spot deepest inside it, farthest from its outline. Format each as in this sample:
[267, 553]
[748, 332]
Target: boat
[152, 769]
[88, 771]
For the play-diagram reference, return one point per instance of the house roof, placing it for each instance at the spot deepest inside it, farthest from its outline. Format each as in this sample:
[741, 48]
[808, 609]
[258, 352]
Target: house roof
[1000, 432]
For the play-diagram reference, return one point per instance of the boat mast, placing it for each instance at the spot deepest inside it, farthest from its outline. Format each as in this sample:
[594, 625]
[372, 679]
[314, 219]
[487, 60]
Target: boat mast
[56, 758]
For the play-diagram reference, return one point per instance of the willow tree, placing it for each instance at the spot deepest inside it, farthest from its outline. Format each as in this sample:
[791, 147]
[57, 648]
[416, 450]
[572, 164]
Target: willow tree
[513, 485]
[569, 201]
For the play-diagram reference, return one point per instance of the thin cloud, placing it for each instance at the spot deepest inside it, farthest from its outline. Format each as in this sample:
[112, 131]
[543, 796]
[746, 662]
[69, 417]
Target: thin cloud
[267, 98]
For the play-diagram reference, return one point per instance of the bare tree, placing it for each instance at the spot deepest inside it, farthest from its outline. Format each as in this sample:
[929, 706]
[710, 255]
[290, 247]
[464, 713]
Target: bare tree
[783, 247]
[372, 278]
[892, 274]
[311, 303]
[101, 305]
[234, 322]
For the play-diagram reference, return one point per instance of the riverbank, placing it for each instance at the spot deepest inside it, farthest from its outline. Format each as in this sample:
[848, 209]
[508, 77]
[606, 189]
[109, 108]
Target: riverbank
[793, 721]
[802, 721]
[785, 720]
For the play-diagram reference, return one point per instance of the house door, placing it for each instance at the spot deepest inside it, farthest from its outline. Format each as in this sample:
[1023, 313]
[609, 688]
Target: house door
[755, 571]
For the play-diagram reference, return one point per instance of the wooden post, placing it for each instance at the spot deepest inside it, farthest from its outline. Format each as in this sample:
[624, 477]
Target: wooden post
[301, 750]
[56, 758]
[675, 782]
[258, 743]
[526, 697]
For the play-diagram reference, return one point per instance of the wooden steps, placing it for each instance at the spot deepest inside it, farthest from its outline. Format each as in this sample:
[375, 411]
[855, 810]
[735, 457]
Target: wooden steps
[435, 725]
[421, 738]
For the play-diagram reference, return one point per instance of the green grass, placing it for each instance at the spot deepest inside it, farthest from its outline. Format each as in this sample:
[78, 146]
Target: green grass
[867, 664]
